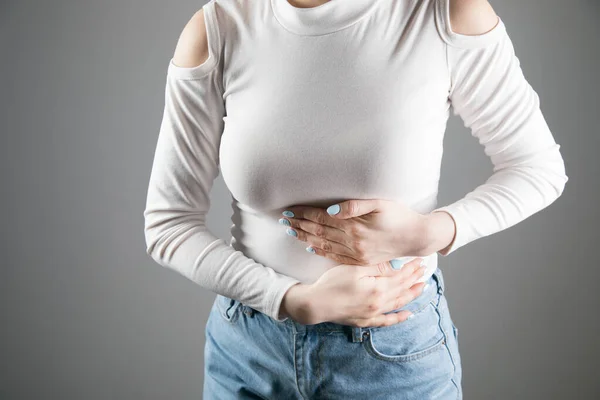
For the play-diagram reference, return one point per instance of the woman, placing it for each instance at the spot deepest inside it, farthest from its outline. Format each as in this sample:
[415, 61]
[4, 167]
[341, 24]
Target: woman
[326, 119]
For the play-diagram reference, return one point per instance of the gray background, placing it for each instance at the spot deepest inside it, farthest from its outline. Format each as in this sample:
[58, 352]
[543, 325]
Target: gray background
[86, 314]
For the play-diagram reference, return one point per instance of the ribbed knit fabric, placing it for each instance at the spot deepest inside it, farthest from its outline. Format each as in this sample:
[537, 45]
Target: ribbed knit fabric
[347, 100]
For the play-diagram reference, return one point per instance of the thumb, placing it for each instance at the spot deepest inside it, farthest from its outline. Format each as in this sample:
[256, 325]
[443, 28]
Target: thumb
[352, 208]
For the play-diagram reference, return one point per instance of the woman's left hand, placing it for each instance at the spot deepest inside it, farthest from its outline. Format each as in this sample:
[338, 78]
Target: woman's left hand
[362, 232]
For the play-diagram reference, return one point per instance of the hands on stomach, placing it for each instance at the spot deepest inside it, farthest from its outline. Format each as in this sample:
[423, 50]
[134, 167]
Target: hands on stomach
[356, 295]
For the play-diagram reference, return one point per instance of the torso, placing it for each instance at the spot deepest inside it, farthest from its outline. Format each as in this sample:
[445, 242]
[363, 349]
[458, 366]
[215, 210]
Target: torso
[318, 113]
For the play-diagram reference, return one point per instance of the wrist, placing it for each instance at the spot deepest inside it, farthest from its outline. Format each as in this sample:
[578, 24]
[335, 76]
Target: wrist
[439, 230]
[297, 303]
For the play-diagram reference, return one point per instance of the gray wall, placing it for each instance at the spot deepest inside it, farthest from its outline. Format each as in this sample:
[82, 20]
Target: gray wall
[86, 314]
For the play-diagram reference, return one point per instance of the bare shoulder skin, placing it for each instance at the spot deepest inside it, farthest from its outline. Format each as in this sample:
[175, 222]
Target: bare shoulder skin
[192, 45]
[467, 17]
[472, 17]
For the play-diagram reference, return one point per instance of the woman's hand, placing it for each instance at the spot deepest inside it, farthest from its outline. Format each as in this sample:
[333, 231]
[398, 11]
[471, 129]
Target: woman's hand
[366, 232]
[356, 295]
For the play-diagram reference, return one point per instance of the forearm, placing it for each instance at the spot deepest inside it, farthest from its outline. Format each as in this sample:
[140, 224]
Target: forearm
[185, 165]
[498, 105]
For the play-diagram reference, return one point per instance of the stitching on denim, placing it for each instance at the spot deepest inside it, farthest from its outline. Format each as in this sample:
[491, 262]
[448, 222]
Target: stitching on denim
[438, 308]
[370, 347]
[403, 358]
[295, 362]
[320, 358]
[298, 365]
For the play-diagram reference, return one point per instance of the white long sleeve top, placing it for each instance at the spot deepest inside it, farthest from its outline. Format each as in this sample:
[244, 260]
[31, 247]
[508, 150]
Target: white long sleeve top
[347, 100]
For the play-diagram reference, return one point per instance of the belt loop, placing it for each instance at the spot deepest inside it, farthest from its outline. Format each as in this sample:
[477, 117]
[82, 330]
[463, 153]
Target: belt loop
[249, 311]
[357, 334]
[439, 276]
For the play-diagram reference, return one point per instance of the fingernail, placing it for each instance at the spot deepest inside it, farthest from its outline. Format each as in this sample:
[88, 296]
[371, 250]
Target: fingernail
[425, 287]
[291, 232]
[397, 263]
[334, 209]
[284, 221]
[310, 250]
[288, 213]
[410, 316]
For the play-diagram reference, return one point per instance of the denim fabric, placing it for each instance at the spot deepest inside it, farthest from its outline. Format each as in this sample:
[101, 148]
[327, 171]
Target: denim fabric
[249, 355]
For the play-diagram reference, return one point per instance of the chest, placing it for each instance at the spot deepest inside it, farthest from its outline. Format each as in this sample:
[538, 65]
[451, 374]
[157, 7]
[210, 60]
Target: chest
[330, 116]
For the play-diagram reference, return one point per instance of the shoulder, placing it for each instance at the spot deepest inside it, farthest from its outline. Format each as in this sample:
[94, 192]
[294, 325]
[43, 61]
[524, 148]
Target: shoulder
[472, 17]
[210, 27]
[192, 46]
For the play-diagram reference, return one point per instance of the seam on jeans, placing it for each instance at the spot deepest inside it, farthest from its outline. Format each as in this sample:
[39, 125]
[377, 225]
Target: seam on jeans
[441, 325]
[323, 388]
[297, 370]
[370, 348]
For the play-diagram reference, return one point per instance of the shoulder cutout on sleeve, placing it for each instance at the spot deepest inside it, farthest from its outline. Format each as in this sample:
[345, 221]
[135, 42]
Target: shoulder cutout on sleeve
[197, 50]
[472, 17]
[468, 23]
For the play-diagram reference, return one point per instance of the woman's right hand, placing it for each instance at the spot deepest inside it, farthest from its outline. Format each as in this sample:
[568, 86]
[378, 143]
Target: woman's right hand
[356, 295]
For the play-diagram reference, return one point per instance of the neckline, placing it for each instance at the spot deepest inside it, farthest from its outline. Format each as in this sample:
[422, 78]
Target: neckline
[328, 17]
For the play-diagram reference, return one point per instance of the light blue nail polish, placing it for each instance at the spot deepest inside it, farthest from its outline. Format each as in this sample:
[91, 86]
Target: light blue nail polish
[284, 221]
[310, 250]
[426, 287]
[334, 209]
[397, 263]
[288, 213]
[410, 316]
[291, 232]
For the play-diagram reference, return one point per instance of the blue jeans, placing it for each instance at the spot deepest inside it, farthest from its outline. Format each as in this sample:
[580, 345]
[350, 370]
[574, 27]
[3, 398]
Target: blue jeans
[249, 355]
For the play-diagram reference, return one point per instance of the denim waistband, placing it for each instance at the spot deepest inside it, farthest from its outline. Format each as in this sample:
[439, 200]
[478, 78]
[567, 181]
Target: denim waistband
[436, 288]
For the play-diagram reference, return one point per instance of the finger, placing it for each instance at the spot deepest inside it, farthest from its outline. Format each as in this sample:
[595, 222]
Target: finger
[394, 287]
[315, 214]
[414, 265]
[319, 231]
[400, 285]
[323, 243]
[398, 263]
[417, 261]
[353, 208]
[401, 289]
[414, 273]
[385, 268]
[401, 279]
[341, 259]
[384, 319]
[404, 297]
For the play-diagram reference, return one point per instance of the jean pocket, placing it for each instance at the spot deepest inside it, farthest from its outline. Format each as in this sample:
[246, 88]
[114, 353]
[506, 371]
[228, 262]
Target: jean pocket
[228, 308]
[406, 341]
